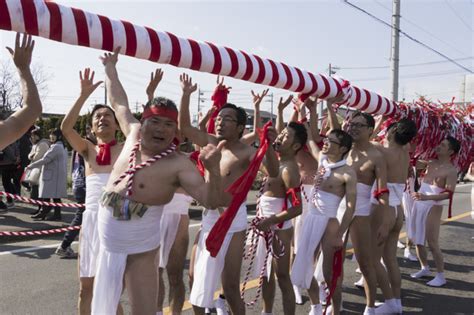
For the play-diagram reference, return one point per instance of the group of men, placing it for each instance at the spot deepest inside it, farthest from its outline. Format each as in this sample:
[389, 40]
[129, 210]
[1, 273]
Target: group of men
[138, 193]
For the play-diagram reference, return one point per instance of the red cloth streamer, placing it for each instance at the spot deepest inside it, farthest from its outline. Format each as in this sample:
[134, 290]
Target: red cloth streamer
[104, 156]
[450, 209]
[219, 98]
[294, 200]
[379, 192]
[200, 166]
[336, 273]
[239, 190]
[160, 111]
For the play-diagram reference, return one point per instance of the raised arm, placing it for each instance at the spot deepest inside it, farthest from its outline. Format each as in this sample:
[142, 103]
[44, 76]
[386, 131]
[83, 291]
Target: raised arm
[311, 104]
[257, 122]
[312, 125]
[203, 120]
[20, 121]
[116, 94]
[332, 117]
[280, 124]
[155, 79]
[201, 138]
[88, 86]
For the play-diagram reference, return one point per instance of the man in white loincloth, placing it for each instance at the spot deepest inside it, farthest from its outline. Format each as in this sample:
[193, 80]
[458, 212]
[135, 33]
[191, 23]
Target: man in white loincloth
[438, 184]
[143, 179]
[321, 228]
[99, 160]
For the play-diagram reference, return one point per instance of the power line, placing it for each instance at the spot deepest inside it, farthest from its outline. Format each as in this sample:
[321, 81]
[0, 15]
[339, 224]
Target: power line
[420, 75]
[459, 17]
[408, 36]
[406, 65]
[422, 29]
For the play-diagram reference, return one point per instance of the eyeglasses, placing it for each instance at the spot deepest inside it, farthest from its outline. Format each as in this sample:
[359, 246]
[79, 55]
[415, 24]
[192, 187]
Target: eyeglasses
[225, 119]
[357, 125]
[327, 140]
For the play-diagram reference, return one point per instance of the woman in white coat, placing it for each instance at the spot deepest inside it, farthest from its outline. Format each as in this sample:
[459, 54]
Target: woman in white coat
[53, 179]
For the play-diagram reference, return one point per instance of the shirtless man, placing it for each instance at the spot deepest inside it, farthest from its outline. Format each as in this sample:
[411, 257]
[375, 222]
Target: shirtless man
[99, 160]
[438, 184]
[308, 167]
[143, 179]
[174, 235]
[321, 229]
[278, 206]
[20, 121]
[236, 158]
[370, 167]
[395, 150]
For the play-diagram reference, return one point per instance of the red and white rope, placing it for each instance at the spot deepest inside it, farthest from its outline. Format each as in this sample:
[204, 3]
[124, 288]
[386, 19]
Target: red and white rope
[40, 232]
[77, 27]
[42, 203]
[132, 168]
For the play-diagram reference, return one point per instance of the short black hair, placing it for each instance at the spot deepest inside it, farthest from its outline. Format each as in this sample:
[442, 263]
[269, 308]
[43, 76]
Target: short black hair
[454, 144]
[405, 130]
[100, 106]
[368, 118]
[241, 115]
[301, 135]
[57, 132]
[162, 102]
[345, 139]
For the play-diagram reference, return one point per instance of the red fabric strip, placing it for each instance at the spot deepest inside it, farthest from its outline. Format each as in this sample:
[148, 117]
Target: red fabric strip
[219, 98]
[104, 157]
[357, 99]
[29, 17]
[275, 74]
[248, 68]
[196, 58]
[450, 209]
[289, 77]
[301, 77]
[217, 59]
[107, 33]
[367, 100]
[336, 273]
[339, 87]
[155, 44]
[160, 111]
[327, 87]
[295, 201]
[239, 190]
[175, 50]
[199, 165]
[261, 70]
[234, 62]
[5, 21]
[131, 37]
[379, 192]
[82, 30]
[314, 89]
[55, 22]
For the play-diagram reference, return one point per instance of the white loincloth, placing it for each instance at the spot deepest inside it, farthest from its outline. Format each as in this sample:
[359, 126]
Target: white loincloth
[89, 241]
[363, 204]
[407, 202]
[395, 195]
[207, 269]
[268, 206]
[306, 189]
[313, 230]
[172, 213]
[118, 239]
[421, 209]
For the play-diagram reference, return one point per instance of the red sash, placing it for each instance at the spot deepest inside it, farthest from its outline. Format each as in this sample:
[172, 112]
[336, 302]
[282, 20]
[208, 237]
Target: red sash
[294, 200]
[450, 209]
[104, 156]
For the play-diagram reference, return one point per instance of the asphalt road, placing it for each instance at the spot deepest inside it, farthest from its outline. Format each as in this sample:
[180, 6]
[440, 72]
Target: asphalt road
[35, 281]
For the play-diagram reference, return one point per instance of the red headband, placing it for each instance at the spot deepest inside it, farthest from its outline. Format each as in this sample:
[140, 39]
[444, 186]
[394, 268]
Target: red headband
[160, 111]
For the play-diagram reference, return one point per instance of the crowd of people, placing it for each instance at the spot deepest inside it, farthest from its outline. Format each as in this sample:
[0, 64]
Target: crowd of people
[322, 187]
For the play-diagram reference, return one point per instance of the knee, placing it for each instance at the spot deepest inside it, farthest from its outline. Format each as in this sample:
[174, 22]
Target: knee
[86, 289]
[231, 290]
[283, 277]
[433, 244]
[175, 279]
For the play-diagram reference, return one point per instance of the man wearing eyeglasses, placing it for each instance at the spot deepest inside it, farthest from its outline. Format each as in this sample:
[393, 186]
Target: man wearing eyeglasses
[236, 158]
[370, 167]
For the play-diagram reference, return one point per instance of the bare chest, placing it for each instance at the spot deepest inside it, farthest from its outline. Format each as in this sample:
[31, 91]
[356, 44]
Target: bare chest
[363, 166]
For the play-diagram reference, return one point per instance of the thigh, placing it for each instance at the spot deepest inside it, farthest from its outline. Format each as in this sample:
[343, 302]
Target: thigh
[233, 259]
[193, 255]
[140, 281]
[282, 264]
[361, 234]
[433, 222]
[180, 247]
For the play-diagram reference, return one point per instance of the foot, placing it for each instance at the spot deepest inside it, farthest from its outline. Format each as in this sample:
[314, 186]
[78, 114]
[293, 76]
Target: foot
[408, 255]
[369, 310]
[400, 245]
[207, 311]
[422, 273]
[298, 297]
[360, 283]
[437, 281]
[65, 253]
[322, 294]
[389, 307]
[39, 216]
[316, 310]
[221, 306]
[35, 212]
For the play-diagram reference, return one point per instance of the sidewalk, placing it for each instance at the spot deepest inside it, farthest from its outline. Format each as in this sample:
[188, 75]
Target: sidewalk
[18, 218]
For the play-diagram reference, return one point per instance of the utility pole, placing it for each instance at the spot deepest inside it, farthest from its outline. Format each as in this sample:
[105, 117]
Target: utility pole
[105, 94]
[464, 90]
[200, 93]
[136, 107]
[271, 106]
[394, 56]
